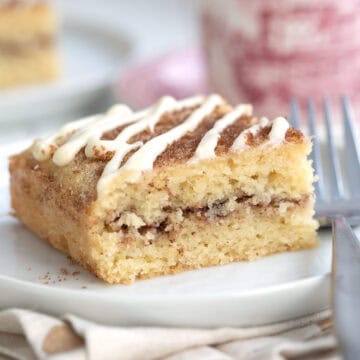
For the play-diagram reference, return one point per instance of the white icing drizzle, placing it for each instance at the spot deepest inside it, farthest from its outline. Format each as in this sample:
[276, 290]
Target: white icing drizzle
[279, 127]
[240, 141]
[95, 146]
[207, 145]
[66, 153]
[278, 131]
[42, 149]
[87, 133]
[144, 158]
[120, 143]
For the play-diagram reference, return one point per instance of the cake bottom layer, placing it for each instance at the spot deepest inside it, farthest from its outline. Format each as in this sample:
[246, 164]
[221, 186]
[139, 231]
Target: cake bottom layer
[237, 237]
[38, 65]
[248, 233]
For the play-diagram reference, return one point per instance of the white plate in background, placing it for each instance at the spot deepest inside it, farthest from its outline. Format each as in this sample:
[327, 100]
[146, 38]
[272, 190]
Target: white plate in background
[36, 276]
[92, 54]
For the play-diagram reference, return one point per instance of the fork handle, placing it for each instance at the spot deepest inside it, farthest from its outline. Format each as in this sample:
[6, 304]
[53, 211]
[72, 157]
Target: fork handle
[346, 288]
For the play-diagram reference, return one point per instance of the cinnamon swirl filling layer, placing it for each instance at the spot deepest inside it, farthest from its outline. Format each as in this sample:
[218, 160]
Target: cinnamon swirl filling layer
[128, 222]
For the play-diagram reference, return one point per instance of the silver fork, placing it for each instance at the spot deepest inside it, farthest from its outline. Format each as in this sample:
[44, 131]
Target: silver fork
[340, 205]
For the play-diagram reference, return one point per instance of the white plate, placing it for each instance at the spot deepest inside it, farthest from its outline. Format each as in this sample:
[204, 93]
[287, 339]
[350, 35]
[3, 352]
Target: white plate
[92, 54]
[34, 275]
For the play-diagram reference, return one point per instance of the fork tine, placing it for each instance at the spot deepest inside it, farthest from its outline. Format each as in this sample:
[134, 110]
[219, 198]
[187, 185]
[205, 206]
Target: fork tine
[294, 114]
[336, 183]
[352, 150]
[316, 155]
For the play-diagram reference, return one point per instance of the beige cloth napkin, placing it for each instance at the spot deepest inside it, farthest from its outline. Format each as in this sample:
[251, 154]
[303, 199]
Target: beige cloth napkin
[29, 335]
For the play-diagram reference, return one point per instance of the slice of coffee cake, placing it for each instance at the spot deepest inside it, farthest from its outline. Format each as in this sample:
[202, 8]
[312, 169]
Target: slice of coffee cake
[28, 53]
[181, 185]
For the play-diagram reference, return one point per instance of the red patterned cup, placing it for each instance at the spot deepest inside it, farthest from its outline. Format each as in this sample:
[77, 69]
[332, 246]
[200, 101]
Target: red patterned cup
[268, 51]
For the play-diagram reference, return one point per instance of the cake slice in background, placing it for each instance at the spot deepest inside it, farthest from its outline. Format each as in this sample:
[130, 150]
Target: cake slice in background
[178, 186]
[28, 52]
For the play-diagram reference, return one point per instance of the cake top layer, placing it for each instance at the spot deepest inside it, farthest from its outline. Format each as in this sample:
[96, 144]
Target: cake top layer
[188, 130]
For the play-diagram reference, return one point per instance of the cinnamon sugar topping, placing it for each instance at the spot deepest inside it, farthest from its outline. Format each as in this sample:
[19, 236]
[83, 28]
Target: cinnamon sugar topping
[133, 142]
